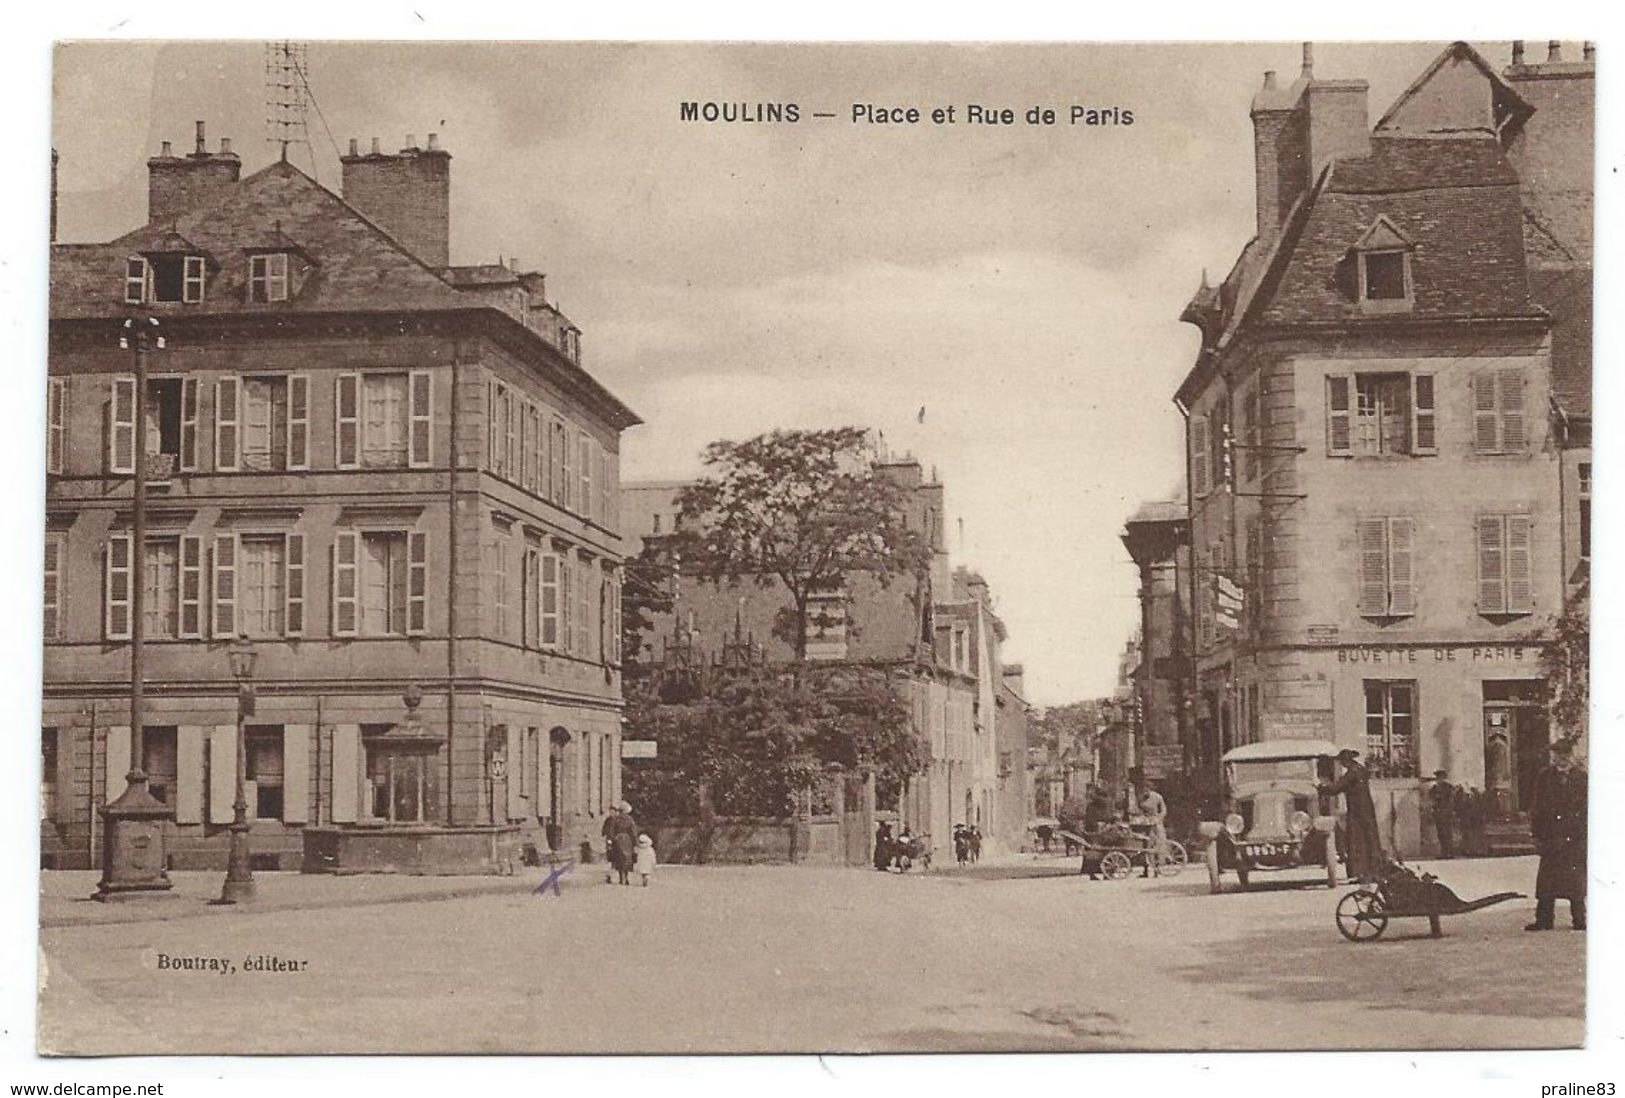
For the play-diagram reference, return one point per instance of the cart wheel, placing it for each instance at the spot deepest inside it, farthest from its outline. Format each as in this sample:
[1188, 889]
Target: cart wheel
[1215, 884]
[1175, 858]
[1115, 865]
[1360, 916]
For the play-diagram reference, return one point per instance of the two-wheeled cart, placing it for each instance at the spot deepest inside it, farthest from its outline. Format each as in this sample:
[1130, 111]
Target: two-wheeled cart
[1113, 851]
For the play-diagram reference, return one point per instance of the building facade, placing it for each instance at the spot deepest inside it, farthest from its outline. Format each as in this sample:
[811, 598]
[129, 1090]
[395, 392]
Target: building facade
[1374, 464]
[391, 476]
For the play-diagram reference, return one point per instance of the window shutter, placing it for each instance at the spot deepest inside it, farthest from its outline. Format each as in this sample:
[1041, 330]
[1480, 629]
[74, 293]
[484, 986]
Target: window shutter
[222, 773]
[294, 585]
[135, 280]
[346, 772]
[191, 587]
[1339, 428]
[1424, 417]
[1199, 456]
[117, 623]
[510, 433]
[346, 546]
[192, 279]
[1491, 565]
[1486, 438]
[347, 421]
[422, 402]
[121, 432]
[584, 505]
[227, 417]
[567, 490]
[1373, 553]
[417, 583]
[516, 772]
[557, 463]
[1520, 587]
[53, 585]
[56, 420]
[296, 773]
[567, 587]
[1401, 570]
[225, 586]
[1514, 432]
[549, 593]
[115, 761]
[189, 423]
[538, 449]
[298, 421]
[190, 779]
[491, 448]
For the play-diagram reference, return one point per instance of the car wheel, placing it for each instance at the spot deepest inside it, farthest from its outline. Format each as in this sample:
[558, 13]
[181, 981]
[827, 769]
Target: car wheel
[1215, 884]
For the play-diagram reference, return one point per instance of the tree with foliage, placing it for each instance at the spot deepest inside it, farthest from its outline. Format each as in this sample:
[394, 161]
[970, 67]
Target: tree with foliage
[648, 583]
[803, 508]
[1566, 661]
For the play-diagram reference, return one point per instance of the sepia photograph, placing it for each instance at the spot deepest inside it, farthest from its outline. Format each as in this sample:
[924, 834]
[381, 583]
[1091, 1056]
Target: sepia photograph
[812, 547]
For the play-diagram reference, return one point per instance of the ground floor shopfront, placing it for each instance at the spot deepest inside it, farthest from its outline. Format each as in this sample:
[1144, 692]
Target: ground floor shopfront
[1473, 711]
[359, 781]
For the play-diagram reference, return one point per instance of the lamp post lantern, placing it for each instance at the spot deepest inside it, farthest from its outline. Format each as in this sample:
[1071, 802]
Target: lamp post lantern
[133, 859]
[239, 884]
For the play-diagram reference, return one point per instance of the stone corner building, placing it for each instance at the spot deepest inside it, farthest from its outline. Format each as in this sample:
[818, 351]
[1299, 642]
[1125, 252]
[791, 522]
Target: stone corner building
[1389, 428]
[392, 475]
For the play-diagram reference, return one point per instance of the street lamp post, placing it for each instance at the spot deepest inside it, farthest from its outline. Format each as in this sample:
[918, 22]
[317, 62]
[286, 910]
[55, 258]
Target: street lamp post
[133, 859]
[239, 884]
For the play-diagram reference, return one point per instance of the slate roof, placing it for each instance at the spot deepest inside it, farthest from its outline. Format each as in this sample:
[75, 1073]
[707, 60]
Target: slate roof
[357, 266]
[1566, 294]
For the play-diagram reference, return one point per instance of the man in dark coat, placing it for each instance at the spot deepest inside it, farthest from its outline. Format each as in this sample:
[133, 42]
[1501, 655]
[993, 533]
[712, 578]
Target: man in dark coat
[1364, 842]
[1558, 823]
[883, 846]
[1442, 800]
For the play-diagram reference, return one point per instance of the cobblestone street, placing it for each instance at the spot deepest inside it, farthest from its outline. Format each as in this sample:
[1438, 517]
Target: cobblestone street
[798, 959]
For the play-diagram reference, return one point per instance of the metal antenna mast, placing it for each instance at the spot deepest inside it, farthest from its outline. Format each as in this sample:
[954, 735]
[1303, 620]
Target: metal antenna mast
[287, 98]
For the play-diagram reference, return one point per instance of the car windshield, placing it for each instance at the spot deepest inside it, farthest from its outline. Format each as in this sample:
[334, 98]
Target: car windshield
[1263, 770]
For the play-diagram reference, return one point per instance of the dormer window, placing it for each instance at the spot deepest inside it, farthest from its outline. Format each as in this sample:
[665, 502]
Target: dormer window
[268, 277]
[1383, 259]
[164, 278]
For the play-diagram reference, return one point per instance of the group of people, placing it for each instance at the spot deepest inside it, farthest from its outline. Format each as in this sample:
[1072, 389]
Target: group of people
[1557, 821]
[897, 852]
[1459, 812]
[628, 850]
[967, 843]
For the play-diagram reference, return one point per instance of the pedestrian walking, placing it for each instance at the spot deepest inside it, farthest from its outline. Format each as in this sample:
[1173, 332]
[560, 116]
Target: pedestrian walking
[1558, 824]
[645, 859]
[1442, 799]
[1364, 841]
[975, 839]
[961, 844]
[620, 841]
[1155, 811]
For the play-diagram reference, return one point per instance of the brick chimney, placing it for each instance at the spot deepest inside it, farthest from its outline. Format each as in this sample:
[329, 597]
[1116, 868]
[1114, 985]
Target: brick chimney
[1278, 153]
[176, 184]
[406, 194]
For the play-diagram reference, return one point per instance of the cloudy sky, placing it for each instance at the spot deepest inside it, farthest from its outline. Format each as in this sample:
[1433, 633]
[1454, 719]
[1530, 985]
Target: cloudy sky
[1021, 284]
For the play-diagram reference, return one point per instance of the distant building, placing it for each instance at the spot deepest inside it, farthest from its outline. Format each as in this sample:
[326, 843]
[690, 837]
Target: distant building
[1157, 537]
[937, 633]
[1386, 421]
[393, 476]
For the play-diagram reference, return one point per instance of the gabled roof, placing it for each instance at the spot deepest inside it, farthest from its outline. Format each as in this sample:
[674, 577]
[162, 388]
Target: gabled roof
[1383, 235]
[1510, 108]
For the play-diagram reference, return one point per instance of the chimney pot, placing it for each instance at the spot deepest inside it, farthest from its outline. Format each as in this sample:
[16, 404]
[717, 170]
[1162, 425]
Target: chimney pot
[411, 142]
[355, 147]
[225, 146]
[200, 141]
[434, 141]
[375, 149]
[1308, 59]
[1554, 52]
[166, 149]
[1269, 78]
[1517, 52]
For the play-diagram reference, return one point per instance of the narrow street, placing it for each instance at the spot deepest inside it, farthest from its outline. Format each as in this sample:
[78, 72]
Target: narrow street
[772, 958]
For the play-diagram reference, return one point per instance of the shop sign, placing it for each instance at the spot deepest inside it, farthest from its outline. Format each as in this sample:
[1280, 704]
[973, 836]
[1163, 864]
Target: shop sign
[639, 749]
[1488, 653]
[1297, 724]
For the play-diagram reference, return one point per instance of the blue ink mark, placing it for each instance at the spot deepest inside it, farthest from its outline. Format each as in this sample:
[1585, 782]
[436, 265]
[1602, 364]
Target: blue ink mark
[552, 880]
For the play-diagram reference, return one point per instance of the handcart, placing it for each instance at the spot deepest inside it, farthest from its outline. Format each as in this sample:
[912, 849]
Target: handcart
[1113, 850]
[1401, 893]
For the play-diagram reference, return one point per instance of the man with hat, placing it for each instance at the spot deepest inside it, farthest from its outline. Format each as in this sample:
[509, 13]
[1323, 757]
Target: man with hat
[1442, 799]
[1364, 842]
[1558, 824]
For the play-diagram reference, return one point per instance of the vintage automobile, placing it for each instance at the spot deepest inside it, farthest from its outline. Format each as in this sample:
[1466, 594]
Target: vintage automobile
[1277, 818]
